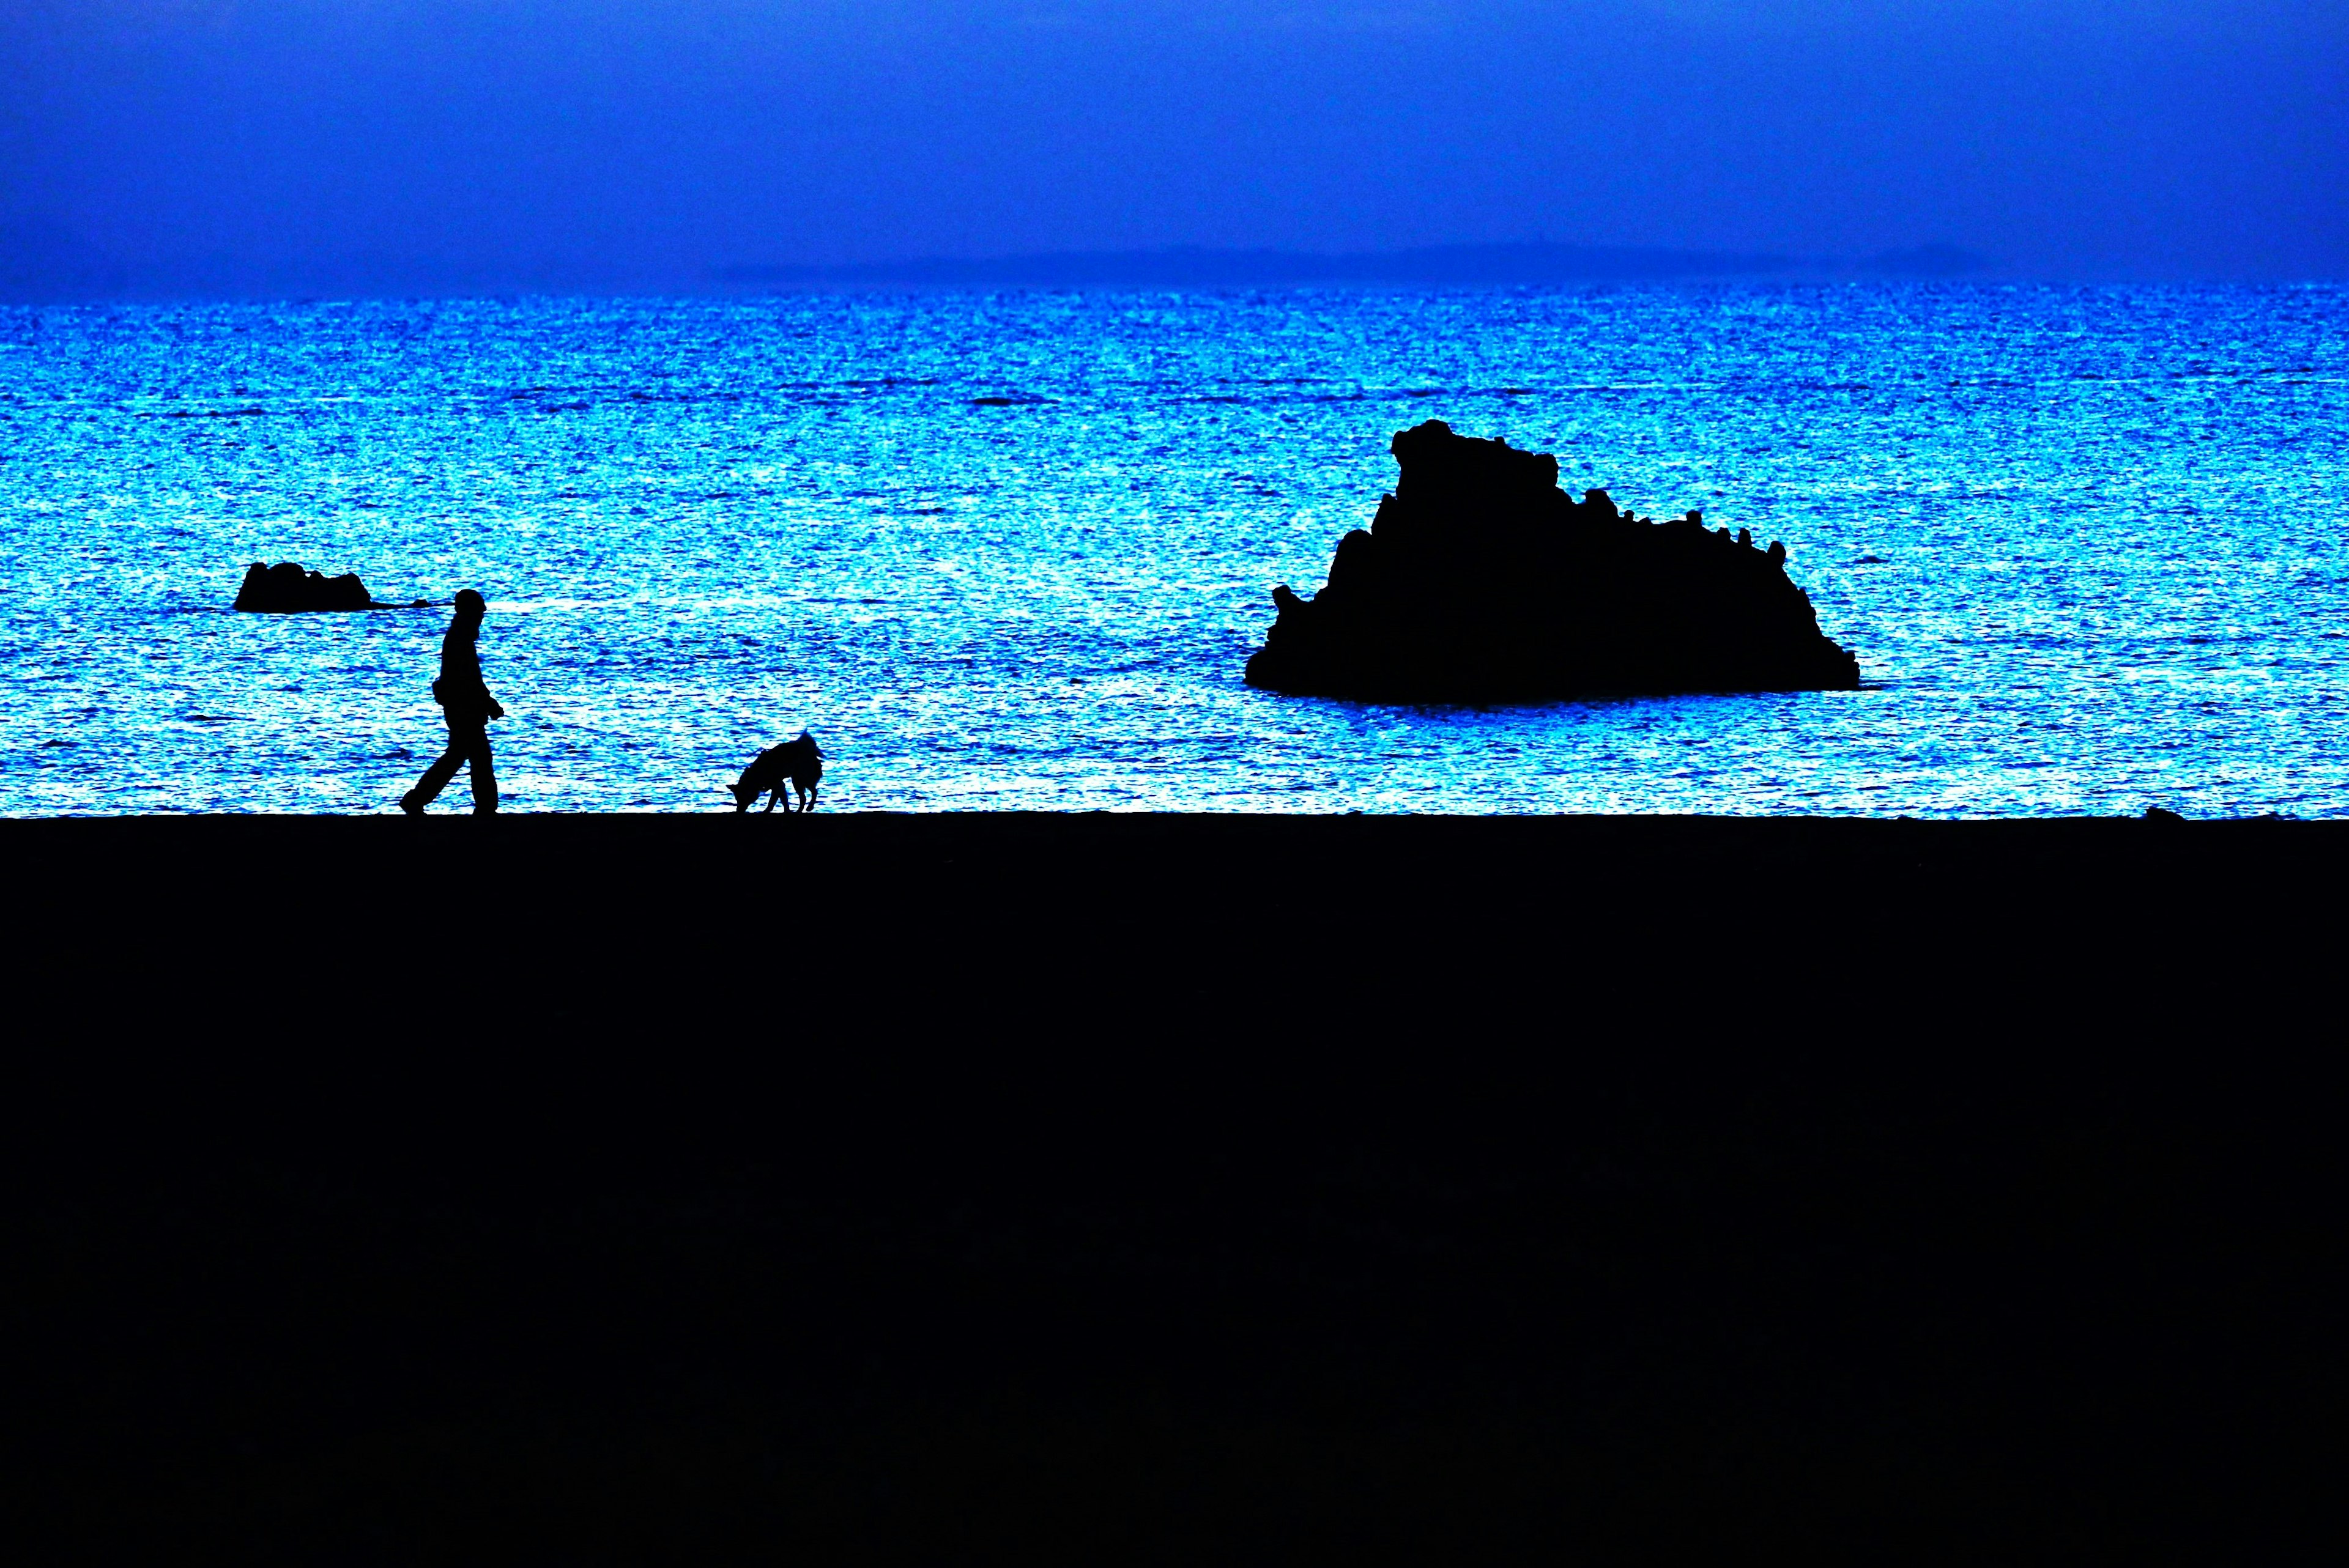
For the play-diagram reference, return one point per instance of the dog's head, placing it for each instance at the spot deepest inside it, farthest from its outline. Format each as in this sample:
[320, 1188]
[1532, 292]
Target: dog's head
[744, 792]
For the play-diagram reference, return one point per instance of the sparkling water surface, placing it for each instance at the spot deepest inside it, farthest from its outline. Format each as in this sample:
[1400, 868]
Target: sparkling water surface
[2082, 541]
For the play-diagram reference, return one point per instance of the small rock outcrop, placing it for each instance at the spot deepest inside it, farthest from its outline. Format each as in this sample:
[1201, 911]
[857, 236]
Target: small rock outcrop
[1481, 582]
[285, 589]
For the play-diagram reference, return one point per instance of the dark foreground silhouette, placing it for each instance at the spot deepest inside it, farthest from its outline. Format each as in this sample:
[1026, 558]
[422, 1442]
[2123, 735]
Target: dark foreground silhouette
[466, 703]
[1480, 581]
[795, 764]
[285, 589]
[1088, 1190]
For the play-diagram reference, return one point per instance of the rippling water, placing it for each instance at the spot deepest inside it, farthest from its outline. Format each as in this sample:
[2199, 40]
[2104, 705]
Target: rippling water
[2084, 542]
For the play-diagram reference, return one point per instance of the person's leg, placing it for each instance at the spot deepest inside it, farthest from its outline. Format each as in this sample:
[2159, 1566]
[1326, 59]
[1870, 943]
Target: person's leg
[485, 773]
[436, 778]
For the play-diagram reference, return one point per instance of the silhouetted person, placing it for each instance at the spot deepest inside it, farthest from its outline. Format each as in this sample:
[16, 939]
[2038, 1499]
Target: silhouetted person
[466, 703]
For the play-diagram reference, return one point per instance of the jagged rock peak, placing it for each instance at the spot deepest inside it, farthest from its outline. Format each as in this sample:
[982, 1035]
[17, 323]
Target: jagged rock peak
[1480, 581]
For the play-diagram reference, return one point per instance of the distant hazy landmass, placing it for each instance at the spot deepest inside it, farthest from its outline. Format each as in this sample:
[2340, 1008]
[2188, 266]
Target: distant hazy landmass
[1194, 266]
[1191, 267]
[1925, 262]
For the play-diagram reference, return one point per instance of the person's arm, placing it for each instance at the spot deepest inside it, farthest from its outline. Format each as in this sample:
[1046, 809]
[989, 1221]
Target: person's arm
[490, 704]
[460, 671]
[487, 702]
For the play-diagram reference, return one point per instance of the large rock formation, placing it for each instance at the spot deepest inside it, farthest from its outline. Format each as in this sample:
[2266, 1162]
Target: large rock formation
[1480, 580]
[287, 589]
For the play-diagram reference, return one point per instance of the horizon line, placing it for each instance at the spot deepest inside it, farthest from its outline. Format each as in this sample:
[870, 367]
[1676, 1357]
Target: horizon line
[1502, 264]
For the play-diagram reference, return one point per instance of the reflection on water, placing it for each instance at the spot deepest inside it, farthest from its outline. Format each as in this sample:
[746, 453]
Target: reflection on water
[1013, 550]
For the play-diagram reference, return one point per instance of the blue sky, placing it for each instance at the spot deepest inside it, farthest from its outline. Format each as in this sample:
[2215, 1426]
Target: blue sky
[391, 145]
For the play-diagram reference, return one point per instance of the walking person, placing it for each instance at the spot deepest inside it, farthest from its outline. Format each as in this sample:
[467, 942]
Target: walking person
[466, 703]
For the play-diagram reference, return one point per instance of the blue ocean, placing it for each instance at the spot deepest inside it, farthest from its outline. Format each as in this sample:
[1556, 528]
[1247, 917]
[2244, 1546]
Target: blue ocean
[1012, 550]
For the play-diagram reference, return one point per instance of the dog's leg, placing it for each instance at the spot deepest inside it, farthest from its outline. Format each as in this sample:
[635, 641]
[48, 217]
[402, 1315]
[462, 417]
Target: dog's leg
[771, 800]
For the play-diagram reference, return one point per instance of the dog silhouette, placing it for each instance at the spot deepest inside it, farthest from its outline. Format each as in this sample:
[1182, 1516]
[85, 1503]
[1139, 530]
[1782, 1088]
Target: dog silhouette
[795, 764]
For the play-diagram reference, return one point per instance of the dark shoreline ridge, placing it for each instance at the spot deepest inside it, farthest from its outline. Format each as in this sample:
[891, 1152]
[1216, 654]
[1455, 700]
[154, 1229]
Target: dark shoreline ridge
[1101, 1189]
[1480, 580]
[287, 589]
